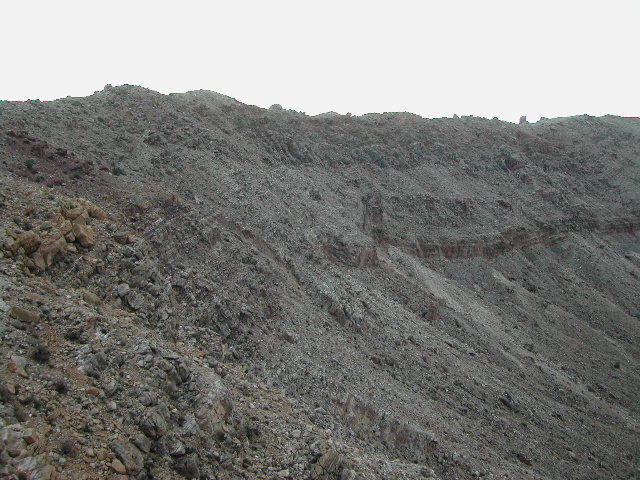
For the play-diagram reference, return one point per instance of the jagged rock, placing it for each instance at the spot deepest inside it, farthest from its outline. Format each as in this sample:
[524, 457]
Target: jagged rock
[213, 414]
[81, 219]
[153, 423]
[183, 372]
[84, 234]
[49, 251]
[137, 301]
[177, 448]
[129, 455]
[35, 468]
[29, 242]
[148, 398]
[142, 442]
[190, 425]
[65, 227]
[73, 213]
[189, 467]
[170, 388]
[330, 463]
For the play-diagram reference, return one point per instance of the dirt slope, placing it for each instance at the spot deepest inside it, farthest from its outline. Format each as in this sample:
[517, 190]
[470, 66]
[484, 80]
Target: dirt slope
[453, 297]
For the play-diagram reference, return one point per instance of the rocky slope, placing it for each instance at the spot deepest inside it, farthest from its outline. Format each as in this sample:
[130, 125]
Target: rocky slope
[194, 287]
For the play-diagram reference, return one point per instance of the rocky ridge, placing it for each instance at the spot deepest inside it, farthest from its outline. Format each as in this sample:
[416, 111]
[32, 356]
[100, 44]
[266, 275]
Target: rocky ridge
[405, 297]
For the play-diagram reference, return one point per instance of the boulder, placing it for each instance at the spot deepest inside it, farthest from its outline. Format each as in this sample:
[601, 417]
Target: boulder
[73, 213]
[329, 464]
[24, 315]
[142, 442]
[97, 213]
[91, 298]
[84, 234]
[189, 466]
[29, 241]
[35, 468]
[118, 467]
[51, 249]
[123, 289]
[65, 227]
[38, 262]
[136, 301]
[82, 219]
[153, 423]
[213, 414]
[129, 455]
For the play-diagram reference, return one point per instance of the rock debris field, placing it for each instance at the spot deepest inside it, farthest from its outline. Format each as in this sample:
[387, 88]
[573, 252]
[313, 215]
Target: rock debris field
[191, 287]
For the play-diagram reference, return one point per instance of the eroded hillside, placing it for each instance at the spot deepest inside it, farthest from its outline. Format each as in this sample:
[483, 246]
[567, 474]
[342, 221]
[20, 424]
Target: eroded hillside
[256, 293]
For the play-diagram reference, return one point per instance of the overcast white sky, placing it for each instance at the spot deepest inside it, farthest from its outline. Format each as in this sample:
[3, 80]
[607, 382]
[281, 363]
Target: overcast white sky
[488, 58]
